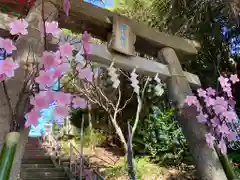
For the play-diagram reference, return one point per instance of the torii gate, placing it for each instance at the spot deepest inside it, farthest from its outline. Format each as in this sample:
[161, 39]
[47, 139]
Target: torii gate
[168, 50]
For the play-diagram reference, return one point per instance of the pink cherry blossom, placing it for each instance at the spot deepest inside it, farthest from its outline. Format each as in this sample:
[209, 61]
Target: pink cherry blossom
[45, 78]
[231, 102]
[201, 92]
[221, 101]
[209, 101]
[228, 90]
[66, 6]
[230, 116]
[232, 136]
[191, 100]
[18, 26]
[210, 91]
[79, 103]
[40, 101]
[215, 122]
[60, 70]
[223, 81]
[61, 111]
[222, 146]
[50, 95]
[234, 78]
[210, 139]
[87, 74]
[50, 60]
[2, 77]
[218, 109]
[62, 98]
[8, 66]
[223, 129]
[32, 118]
[47, 60]
[202, 118]
[7, 44]
[52, 28]
[86, 45]
[66, 49]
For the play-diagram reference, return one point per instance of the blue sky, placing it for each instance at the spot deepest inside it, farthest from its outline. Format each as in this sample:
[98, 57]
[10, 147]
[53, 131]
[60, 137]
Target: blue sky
[104, 4]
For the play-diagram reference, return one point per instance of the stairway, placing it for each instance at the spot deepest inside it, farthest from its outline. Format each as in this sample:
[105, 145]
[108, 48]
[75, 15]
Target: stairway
[37, 164]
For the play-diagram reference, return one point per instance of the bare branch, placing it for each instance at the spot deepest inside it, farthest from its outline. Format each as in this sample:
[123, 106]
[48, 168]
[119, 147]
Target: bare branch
[139, 107]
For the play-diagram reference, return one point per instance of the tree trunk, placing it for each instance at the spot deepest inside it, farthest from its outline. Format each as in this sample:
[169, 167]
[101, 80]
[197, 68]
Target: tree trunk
[206, 160]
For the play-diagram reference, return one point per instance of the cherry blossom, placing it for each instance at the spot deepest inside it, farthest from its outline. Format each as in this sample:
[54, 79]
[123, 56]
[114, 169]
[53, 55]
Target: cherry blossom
[191, 100]
[210, 91]
[222, 146]
[223, 81]
[86, 45]
[66, 6]
[7, 44]
[45, 79]
[62, 98]
[201, 92]
[210, 139]
[52, 28]
[8, 66]
[39, 101]
[202, 118]
[66, 49]
[79, 103]
[32, 118]
[2, 77]
[209, 101]
[217, 112]
[18, 27]
[48, 60]
[223, 129]
[61, 111]
[60, 70]
[234, 78]
[86, 73]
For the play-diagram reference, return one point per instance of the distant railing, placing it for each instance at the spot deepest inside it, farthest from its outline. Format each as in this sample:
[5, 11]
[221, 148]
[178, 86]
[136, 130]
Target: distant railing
[75, 164]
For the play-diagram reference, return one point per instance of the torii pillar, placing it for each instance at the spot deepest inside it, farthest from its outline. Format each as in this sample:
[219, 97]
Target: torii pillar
[206, 159]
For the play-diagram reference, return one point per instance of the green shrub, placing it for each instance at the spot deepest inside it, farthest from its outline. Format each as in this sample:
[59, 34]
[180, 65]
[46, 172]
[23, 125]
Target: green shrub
[92, 138]
[160, 137]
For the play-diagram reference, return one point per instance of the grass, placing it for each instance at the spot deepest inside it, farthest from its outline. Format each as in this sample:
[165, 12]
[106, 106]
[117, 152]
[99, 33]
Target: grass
[144, 169]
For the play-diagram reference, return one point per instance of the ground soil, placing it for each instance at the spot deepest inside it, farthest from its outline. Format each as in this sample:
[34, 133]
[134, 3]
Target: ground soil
[103, 158]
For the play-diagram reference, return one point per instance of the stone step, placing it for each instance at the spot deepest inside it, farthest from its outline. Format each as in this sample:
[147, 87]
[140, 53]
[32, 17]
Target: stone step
[37, 165]
[46, 178]
[37, 161]
[42, 169]
[37, 173]
[36, 156]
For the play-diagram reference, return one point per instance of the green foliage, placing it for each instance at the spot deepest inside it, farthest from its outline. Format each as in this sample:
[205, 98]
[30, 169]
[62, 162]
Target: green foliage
[199, 20]
[93, 137]
[161, 138]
